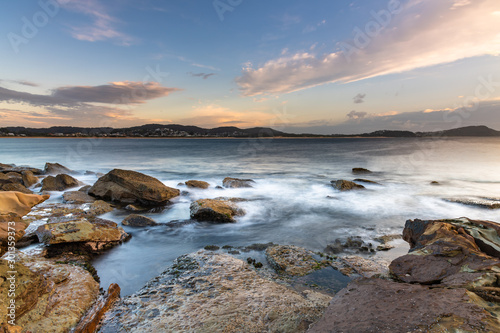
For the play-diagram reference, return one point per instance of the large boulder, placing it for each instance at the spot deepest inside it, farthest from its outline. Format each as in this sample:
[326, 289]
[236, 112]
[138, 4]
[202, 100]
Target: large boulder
[214, 292]
[56, 168]
[97, 234]
[237, 183]
[49, 297]
[16, 187]
[60, 182]
[376, 305]
[213, 210]
[346, 185]
[458, 252]
[131, 187]
[197, 184]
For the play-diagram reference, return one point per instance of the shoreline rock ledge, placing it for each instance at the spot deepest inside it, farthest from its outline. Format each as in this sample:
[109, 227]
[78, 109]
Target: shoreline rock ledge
[131, 187]
[448, 282]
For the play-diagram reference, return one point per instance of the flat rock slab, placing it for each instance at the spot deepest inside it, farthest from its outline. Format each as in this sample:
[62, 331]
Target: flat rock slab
[212, 292]
[376, 305]
[292, 260]
[19, 203]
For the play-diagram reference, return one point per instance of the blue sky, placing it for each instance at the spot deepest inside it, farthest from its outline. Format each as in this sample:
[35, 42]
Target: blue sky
[298, 66]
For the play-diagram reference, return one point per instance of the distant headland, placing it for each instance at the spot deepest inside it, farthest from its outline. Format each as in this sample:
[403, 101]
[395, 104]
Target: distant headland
[175, 131]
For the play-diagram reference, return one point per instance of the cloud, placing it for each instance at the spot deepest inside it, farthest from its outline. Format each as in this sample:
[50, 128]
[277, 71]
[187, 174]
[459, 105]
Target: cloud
[103, 24]
[126, 92]
[312, 28]
[203, 75]
[359, 98]
[22, 82]
[356, 115]
[423, 33]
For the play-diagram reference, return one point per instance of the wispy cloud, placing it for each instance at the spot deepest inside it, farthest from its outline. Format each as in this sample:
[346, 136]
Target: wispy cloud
[202, 75]
[123, 93]
[103, 26]
[359, 98]
[424, 33]
[22, 82]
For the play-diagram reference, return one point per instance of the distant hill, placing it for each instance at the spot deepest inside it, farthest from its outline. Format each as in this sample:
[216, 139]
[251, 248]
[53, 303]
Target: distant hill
[175, 130]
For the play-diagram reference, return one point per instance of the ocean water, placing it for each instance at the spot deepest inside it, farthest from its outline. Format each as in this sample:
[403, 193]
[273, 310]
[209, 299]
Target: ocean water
[292, 201]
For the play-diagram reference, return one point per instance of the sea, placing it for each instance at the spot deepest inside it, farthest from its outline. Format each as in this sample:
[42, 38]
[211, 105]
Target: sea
[292, 200]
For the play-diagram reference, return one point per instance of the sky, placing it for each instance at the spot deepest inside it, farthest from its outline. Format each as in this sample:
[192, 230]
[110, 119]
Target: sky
[297, 66]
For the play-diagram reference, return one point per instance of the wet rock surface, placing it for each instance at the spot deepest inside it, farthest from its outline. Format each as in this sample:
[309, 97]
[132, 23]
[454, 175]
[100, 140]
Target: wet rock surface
[197, 184]
[489, 203]
[213, 210]
[293, 260]
[346, 185]
[56, 168]
[376, 305]
[77, 197]
[135, 220]
[131, 187]
[229, 182]
[360, 171]
[212, 292]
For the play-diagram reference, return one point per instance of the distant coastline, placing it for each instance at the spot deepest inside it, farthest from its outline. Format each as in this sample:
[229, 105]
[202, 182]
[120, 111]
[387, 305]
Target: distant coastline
[159, 131]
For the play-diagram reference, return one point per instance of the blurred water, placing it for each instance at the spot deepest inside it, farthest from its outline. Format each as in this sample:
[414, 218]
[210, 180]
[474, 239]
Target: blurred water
[294, 203]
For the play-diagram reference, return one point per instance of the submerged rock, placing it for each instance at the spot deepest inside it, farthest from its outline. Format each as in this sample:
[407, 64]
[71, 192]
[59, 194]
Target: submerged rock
[376, 305]
[366, 181]
[490, 203]
[346, 185]
[229, 182]
[360, 171]
[353, 244]
[212, 210]
[131, 187]
[60, 182]
[135, 220]
[292, 260]
[214, 292]
[197, 184]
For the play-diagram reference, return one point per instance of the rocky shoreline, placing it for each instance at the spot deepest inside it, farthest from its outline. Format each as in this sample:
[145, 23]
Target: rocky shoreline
[449, 281]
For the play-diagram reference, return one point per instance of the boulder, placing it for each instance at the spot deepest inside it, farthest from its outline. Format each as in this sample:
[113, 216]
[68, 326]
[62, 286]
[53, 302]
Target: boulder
[458, 252]
[292, 260]
[16, 187]
[85, 189]
[6, 168]
[19, 203]
[346, 185]
[99, 207]
[237, 183]
[29, 179]
[97, 234]
[60, 182]
[14, 177]
[213, 210]
[197, 184]
[376, 305]
[56, 168]
[135, 220]
[131, 187]
[50, 297]
[214, 292]
[77, 197]
[357, 171]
